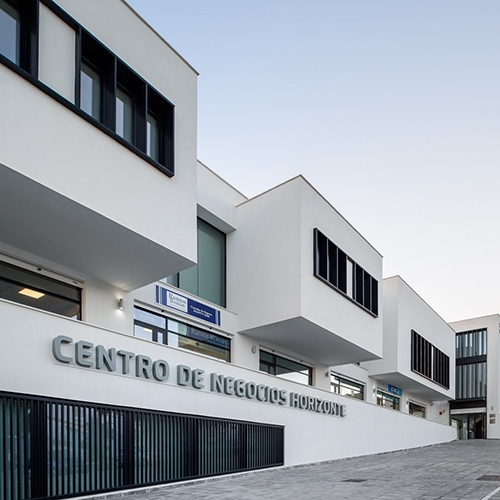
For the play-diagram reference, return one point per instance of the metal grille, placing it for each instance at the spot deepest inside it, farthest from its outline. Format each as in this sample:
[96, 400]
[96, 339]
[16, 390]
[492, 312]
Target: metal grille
[54, 448]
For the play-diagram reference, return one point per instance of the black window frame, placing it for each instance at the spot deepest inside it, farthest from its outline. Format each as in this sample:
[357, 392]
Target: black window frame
[28, 50]
[429, 361]
[114, 74]
[161, 107]
[194, 333]
[383, 396]
[330, 267]
[59, 290]
[273, 363]
[346, 383]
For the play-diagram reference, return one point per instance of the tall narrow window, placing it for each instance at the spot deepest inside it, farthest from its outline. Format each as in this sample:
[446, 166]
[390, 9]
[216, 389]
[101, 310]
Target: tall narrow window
[207, 279]
[90, 91]
[10, 32]
[152, 137]
[124, 114]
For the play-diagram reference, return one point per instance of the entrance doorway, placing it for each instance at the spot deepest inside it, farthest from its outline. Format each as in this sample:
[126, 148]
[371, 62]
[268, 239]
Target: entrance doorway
[470, 426]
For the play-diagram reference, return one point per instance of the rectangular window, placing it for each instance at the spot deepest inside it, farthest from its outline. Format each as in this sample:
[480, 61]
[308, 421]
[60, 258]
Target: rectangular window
[152, 143]
[118, 98]
[90, 91]
[428, 361]
[387, 400]
[208, 278]
[471, 361]
[19, 33]
[10, 31]
[124, 114]
[158, 328]
[337, 269]
[346, 387]
[416, 409]
[39, 291]
[285, 368]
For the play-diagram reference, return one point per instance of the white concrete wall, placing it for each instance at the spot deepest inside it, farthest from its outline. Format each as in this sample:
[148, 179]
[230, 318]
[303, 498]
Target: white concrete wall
[271, 267]
[77, 160]
[406, 311]
[28, 366]
[217, 200]
[57, 46]
[319, 302]
[263, 258]
[492, 324]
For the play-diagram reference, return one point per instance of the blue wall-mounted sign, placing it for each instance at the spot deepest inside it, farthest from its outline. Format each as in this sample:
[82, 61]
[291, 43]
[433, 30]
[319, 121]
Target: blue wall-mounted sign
[395, 390]
[166, 297]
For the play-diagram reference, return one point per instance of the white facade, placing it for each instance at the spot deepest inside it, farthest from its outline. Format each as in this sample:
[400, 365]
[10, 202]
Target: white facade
[90, 210]
[405, 313]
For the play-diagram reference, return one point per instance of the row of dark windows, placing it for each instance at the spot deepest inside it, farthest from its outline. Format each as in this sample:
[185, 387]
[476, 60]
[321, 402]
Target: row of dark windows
[334, 266]
[54, 448]
[429, 361]
[110, 94]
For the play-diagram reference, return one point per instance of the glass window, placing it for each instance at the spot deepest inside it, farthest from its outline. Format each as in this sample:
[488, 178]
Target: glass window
[207, 279]
[90, 91]
[416, 409]
[152, 149]
[285, 368]
[333, 266]
[151, 326]
[387, 400]
[10, 32]
[35, 290]
[124, 114]
[346, 387]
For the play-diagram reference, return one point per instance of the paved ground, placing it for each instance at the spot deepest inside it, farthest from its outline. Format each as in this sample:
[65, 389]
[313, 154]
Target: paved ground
[449, 471]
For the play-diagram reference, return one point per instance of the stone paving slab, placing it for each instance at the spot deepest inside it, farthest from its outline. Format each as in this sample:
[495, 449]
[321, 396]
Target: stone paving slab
[448, 472]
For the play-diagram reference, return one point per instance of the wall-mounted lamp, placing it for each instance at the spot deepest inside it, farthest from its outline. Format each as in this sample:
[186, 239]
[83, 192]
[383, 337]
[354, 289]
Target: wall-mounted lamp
[374, 390]
[327, 374]
[120, 303]
[407, 402]
[254, 349]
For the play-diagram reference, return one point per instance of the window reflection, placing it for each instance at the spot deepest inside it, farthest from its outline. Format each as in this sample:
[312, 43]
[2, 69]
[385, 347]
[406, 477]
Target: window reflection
[90, 91]
[10, 32]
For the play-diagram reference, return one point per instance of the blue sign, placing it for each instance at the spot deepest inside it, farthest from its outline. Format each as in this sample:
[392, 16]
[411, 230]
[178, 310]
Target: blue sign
[175, 300]
[394, 390]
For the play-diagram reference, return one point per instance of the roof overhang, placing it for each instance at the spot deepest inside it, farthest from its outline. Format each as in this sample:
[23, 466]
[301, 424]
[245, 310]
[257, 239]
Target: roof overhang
[414, 387]
[305, 338]
[42, 222]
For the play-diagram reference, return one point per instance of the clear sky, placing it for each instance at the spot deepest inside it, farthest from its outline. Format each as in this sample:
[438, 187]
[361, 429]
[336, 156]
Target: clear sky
[390, 108]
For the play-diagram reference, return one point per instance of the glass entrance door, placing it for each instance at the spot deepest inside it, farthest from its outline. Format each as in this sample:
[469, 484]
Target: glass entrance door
[471, 426]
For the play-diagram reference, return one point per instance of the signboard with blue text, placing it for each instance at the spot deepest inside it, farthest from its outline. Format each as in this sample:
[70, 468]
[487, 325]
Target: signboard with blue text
[166, 297]
[394, 390]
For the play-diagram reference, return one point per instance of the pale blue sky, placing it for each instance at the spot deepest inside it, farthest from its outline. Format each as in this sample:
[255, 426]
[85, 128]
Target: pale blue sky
[389, 107]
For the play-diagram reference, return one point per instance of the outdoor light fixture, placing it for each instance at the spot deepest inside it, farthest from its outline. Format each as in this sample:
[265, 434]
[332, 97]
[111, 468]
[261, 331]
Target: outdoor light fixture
[31, 293]
[120, 303]
[254, 349]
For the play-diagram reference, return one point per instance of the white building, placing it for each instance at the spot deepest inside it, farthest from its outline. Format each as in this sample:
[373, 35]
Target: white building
[475, 409]
[125, 364]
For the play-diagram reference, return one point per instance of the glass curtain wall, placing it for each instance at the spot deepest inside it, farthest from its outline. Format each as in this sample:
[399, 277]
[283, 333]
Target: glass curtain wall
[471, 352]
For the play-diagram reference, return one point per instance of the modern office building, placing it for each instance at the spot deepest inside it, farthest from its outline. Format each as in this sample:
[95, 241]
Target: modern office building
[157, 325]
[475, 409]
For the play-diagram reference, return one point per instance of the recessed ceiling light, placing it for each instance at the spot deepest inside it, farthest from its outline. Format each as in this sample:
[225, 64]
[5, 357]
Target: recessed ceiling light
[31, 293]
